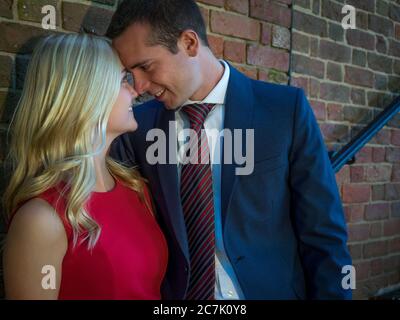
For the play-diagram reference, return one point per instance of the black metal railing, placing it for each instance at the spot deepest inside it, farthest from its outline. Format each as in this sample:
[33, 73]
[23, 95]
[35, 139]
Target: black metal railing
[346, 154]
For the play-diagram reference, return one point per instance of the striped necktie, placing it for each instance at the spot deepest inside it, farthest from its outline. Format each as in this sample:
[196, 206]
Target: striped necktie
[198, 207]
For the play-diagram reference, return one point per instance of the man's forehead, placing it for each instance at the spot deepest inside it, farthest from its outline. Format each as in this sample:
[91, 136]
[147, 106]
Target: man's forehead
[132, 45]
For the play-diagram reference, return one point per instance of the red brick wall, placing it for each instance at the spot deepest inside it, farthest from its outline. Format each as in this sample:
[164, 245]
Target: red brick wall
[348, 76]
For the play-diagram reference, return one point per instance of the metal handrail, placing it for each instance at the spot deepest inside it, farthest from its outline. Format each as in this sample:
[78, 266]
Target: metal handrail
[346, 154]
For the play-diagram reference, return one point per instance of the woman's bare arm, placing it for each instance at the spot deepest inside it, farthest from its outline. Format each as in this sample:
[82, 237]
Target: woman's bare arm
[34, 250]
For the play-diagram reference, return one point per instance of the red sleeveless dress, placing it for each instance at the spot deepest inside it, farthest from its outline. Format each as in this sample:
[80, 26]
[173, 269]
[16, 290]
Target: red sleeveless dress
[130, 257]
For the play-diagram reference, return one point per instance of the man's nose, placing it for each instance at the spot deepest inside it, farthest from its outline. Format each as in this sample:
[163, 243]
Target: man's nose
[140, 82]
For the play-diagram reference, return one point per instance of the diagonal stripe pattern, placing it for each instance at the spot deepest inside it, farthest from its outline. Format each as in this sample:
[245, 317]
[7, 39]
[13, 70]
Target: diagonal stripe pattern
[198, 208]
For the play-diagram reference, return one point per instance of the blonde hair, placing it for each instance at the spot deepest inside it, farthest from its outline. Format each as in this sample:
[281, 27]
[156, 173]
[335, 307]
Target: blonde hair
[60, 124]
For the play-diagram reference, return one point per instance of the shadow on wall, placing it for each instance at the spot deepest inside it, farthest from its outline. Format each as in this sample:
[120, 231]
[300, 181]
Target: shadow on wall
[83, 19]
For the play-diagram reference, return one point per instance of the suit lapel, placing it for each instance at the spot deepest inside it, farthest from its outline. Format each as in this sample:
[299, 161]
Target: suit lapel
[238, 115]
[168, 176]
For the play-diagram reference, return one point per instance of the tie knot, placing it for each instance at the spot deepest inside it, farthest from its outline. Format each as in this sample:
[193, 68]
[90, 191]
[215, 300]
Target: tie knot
[197, 113]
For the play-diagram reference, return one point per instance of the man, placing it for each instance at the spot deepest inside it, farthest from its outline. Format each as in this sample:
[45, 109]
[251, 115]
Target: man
[276, 233]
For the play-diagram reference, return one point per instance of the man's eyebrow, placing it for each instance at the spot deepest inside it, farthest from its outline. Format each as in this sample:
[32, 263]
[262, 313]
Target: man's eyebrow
[139, 64]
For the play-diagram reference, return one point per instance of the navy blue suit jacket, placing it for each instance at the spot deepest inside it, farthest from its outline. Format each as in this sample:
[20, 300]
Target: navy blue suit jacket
[283, 225]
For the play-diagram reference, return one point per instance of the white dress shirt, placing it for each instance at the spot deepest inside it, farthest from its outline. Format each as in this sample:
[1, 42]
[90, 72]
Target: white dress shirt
[227, 285]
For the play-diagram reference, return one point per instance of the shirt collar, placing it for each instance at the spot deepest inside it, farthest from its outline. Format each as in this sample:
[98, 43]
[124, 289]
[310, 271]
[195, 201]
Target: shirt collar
[217, 95]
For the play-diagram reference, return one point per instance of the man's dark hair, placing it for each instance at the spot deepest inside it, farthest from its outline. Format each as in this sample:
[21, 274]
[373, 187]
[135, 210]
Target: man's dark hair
[166, 18]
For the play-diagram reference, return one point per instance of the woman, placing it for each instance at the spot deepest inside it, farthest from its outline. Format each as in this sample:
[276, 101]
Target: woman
[80, 224]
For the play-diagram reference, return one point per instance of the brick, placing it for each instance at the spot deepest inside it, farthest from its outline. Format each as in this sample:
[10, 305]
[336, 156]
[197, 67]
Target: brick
[381, 137]
[379, 62]
[355, 251]
[395, 137]
[396, 173]
[316, 7]
[364, 155]
[378, 154]
[280, 37]
[300, 42]
[392, 191]
[392, 263]
[381, 82]
[216, 3]
[314, 88]
[375, 249]
[318, 109]
[239, 6]
[357, 174]
[335, 92]
[394, 84]
[395, 209]
[391, 227]
[378, 192]
[354, 213]
[77, 16]
[396, 67]
[381, 25]
[6, 72]
[362, 270]
[300, 82]
[271, 12]
[381, 44]
[277, 77]
[358, 96]
[310, 24]
[362, 20]
[376, 267]
[227, 24]
[336, 32]
[378, 99]
[360, 39]
[377, 211]
[250, 72]
[31, 10]
[343, 176]
[358, 232]
[394, 48]
[334, 132]
[306, 4]
[359, 58]
[382, 8]
[6, 9]
[393, 154]
[18, 38]
[360, 77]
[335, 112]
[375, 230]
[332, 51]
[266, 34]
[394, 245]
[357, 115]
[332, 11]
[314, 47]
[235, 51]
[268, 57]
[216, 45]
[394, 12]
[334, 72]
[367, 5]
[354, 193]
[308, 66]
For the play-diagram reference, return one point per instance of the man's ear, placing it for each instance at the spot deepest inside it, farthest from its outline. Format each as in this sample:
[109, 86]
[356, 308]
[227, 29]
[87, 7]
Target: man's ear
[189, 42]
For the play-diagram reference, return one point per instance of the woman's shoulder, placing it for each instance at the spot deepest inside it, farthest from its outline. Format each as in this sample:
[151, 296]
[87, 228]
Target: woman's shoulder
[36, 221]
